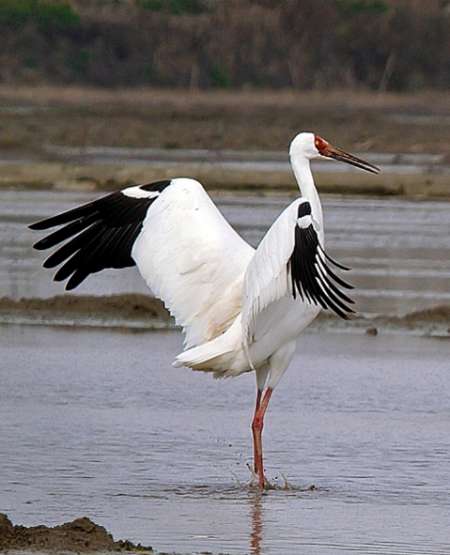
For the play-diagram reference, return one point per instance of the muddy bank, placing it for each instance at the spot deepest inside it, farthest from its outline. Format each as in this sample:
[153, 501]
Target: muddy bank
[216, 176]
[124, 310]
[34, 116]
[140, 312]
[127, 306]
[432, 322]
[80, 536]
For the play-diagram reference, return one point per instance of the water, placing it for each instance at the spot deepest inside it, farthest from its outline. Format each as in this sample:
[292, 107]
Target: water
[98, 423]
[406, 163]
[399, 249]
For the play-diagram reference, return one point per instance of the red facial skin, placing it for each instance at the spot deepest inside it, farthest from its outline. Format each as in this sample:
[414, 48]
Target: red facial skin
[321, 144]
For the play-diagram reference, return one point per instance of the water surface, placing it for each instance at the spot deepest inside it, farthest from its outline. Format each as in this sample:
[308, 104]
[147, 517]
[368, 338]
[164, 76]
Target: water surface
[98, 423]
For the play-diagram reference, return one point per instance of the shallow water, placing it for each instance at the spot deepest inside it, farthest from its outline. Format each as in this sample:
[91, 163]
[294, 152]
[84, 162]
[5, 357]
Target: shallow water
[99, 423]
[399, 250]
[406, 163]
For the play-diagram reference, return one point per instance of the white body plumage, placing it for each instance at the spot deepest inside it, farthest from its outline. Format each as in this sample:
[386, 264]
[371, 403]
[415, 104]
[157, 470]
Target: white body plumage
[235, 303]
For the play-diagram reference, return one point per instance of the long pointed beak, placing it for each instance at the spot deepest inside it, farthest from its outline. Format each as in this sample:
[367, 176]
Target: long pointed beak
[342, 156]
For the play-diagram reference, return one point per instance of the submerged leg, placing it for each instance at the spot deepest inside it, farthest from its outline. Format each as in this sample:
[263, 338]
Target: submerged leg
[257, 428]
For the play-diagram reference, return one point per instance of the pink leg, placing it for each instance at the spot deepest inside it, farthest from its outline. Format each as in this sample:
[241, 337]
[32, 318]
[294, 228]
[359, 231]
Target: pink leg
[257, 428]
[255, 450]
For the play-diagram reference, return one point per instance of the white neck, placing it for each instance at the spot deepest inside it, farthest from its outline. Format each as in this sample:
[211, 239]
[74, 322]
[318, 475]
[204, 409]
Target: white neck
[302, 171]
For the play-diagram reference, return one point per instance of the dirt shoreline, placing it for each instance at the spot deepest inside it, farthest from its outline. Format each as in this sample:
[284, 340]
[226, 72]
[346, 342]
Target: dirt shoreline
[79, 536]
[107, 177]
[142, 313]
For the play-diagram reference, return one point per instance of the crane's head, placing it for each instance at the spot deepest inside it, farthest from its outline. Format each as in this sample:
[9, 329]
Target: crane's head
[310, 145]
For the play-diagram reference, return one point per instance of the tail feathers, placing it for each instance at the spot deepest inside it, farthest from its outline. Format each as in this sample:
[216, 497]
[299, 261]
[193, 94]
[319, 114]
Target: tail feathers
[221, 355]
[207, 357]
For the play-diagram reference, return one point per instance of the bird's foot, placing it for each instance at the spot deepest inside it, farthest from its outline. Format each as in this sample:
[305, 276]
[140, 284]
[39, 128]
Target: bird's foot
[255, 481]
[285, 486]
[268, 485]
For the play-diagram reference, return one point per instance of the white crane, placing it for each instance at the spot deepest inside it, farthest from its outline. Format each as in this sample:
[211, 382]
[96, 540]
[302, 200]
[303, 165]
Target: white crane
[240, 309]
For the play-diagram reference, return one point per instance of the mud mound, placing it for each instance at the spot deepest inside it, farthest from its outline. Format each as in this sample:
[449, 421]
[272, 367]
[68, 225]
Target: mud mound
[126, 305]
[440, 313]
[80, 535]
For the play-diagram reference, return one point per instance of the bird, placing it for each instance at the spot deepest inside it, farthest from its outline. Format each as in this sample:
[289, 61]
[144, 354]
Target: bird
[241, 309]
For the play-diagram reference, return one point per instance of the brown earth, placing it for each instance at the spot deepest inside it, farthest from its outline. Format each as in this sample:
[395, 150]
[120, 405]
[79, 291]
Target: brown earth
[32, 117]
[80, 536]
[125, 306]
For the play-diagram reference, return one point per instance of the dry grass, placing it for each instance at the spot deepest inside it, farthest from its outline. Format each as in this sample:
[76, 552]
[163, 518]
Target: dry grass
[432, 101]
[241, 120]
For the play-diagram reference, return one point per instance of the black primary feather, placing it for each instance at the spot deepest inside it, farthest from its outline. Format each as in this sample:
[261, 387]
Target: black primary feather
[311, 277]
[96, 235]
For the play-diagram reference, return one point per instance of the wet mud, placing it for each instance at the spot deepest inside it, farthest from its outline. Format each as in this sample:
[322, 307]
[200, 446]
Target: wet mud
[80, 535]
[142, 312]
[126, 307]
[427, 182]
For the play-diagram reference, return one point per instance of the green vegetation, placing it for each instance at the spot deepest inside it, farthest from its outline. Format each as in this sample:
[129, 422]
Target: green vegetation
[220, 77]
[175, 7]
[47, 15]
[355, 7]
[79, 62]
[382, 45]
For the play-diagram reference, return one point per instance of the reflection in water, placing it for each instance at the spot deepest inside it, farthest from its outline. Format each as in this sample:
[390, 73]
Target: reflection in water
[256, 514]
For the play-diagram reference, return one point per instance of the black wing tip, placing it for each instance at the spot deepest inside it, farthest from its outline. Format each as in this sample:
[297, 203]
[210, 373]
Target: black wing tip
[71, 282]
[71, 286]
[42, 244]
[37, 226]
[333, 261]
[48, 264]
[342, 267]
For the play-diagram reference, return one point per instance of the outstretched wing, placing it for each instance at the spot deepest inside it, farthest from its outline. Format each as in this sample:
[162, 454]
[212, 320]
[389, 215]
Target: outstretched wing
[290, 264]
[183, 247]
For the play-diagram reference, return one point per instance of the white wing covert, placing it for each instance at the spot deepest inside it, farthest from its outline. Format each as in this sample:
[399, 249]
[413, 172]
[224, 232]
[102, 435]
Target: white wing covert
[291, 263]
[191, 257]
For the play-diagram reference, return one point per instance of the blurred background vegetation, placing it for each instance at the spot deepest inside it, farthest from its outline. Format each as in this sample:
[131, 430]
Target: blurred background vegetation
[382, 45]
